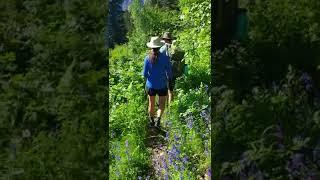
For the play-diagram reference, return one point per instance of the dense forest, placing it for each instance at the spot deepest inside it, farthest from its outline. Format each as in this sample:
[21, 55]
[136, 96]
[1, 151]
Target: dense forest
[184, 151]
[266, 95]
[53, 75]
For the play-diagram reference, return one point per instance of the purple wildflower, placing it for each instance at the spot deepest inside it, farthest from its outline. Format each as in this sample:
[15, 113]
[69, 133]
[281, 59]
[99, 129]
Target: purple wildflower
[166, 177]
[176, 137]
[190, 124]
[167, 136]
[206, 87]
[209, 172]
[139, 177]
[307, 81]
[185, 159]
[176, 166]
[164, 165]
[170, 160]
[175, 152]
[182, 168]
[205, 114]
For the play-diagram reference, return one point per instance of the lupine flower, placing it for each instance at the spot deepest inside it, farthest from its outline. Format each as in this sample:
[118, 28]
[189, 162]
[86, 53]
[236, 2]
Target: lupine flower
[181, 176]
[190, 124]
[176, 137]
[182, 168]
[175, 152]
[170, 160]
[167, 136]
[307, 81]
[176, 166]
[148, 177]
[206, 87]
[209, 172]
[185, 159]
[166, 177]
[295, 164]
[139, 177]
[165, 165]
[205, 115]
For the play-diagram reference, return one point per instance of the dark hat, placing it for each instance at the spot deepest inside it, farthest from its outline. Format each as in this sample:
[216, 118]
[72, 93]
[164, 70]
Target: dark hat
[167, 35]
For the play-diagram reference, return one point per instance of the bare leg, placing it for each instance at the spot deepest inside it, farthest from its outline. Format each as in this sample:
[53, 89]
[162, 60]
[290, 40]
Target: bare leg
[170, 96]
[151, 106]
[162, 102]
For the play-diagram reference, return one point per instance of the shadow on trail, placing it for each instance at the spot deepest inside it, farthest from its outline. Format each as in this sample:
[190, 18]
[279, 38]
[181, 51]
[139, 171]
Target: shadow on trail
[156, 137]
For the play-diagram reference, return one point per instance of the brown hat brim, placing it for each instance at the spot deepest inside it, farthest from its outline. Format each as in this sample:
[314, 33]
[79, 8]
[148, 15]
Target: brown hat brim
[168, 38]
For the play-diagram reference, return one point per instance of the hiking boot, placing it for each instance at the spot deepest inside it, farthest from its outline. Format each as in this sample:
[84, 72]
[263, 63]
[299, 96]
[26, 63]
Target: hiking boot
[158, 122]
[151, 123]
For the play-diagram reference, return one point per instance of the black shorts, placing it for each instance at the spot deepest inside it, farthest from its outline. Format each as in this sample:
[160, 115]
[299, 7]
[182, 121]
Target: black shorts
[171, 84]
[159, 92]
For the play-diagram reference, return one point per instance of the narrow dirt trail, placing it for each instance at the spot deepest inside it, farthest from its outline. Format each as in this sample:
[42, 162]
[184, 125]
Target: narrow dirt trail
[157, 144]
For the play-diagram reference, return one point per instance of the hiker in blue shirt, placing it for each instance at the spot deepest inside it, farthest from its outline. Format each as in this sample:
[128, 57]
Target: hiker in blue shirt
[157, 71]
[167, 39]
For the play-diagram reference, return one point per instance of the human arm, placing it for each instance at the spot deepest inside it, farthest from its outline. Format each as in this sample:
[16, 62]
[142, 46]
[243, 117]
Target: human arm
[145, 69]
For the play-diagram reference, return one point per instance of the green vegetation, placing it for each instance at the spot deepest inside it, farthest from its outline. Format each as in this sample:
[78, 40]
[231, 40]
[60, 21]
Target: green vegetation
[188, 121]
[52, 85]
[266, 96]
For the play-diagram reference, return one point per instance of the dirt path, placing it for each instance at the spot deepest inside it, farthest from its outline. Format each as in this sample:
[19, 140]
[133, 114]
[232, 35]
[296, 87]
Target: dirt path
[157, 144]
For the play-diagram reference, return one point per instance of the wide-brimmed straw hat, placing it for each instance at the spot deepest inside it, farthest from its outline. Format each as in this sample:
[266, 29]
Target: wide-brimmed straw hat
[167, 35]
[155, 42]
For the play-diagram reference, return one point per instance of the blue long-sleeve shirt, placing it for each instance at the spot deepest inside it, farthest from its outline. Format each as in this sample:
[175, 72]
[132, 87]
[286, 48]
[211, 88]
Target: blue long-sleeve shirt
[157, 74]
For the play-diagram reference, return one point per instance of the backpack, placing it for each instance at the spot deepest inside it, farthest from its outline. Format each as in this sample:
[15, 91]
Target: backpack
[177, 61]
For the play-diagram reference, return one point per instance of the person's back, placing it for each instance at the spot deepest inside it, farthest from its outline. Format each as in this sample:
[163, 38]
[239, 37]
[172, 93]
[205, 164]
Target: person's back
[158, 73]
[177, 60]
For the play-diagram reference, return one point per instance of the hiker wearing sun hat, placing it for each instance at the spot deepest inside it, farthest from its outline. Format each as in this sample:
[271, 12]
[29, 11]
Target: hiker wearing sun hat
[157, 71]
[176, 56]
[167, 39]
